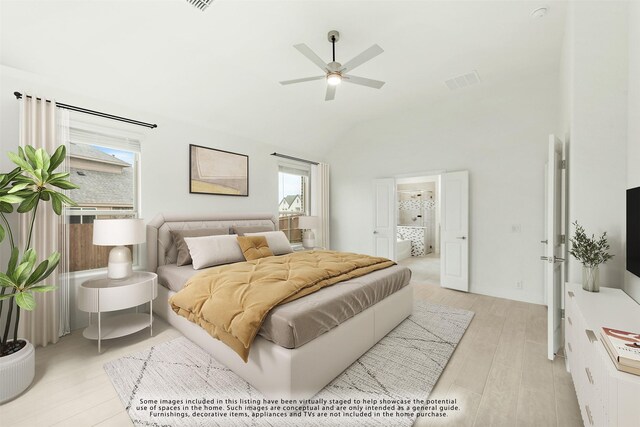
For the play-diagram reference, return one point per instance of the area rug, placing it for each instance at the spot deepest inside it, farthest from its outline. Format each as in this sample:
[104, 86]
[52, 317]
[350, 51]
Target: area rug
[178, 384]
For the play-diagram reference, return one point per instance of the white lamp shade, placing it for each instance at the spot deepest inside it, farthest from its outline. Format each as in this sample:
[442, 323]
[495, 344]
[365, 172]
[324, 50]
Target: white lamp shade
[118, 232]
[308, 222]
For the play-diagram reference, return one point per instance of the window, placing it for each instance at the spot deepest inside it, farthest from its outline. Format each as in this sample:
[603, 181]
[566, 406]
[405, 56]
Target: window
[76, 217]
[293, 198]
[105, 167]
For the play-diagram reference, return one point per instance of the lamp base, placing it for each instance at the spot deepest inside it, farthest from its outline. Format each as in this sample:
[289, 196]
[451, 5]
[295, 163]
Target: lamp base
[308, 239]
[119, 263]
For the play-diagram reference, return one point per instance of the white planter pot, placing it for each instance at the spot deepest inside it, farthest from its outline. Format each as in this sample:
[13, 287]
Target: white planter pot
[16, 372]
[591, 278]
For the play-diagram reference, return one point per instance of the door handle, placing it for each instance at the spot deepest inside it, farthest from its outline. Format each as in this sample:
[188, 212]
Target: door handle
[375, 232]
[544, 241]
[463, 237]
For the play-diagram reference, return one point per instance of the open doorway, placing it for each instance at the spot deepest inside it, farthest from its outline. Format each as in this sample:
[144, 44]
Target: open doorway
[443, 225]
[418, 226]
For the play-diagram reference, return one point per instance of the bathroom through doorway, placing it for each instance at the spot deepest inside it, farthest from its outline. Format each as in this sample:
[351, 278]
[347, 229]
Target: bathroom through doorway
[418, 226]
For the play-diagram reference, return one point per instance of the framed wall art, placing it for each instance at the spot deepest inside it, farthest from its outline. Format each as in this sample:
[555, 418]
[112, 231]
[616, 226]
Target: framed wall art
[214, 171]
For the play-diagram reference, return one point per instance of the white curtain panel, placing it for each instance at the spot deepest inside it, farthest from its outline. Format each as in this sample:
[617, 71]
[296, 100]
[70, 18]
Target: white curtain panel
[320, 202]
[40, 128]
[63, 225]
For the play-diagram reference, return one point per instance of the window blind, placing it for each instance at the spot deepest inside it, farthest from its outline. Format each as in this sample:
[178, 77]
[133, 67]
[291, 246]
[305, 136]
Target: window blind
[294, 169]
[83, 136]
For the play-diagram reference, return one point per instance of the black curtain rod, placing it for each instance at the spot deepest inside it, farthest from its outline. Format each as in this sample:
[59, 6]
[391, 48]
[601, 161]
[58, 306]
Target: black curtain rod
[284, 156]
[95, 113]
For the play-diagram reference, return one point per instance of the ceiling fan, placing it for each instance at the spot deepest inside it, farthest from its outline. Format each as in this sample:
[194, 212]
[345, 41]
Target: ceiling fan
[336, 73]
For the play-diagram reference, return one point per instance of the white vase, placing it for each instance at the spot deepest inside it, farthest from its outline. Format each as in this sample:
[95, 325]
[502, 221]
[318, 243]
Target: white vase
[591, 278]
[16, 372]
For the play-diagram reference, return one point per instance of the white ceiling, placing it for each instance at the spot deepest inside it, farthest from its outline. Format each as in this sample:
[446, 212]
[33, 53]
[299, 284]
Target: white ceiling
[222, 66]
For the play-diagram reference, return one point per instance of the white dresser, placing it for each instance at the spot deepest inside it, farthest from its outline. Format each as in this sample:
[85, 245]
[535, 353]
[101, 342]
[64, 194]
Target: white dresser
[607, 397]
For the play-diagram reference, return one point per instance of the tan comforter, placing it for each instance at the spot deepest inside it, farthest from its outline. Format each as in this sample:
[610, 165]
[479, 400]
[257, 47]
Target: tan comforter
[230, 302]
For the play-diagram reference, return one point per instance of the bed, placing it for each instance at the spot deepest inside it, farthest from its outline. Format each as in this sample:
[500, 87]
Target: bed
[289, 358]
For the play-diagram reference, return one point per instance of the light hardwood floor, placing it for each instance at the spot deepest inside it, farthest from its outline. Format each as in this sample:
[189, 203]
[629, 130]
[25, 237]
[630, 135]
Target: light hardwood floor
[499, 372]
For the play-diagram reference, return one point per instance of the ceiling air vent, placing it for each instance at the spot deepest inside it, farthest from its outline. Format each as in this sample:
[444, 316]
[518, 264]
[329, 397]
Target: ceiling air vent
[201, 4]
[464, 80]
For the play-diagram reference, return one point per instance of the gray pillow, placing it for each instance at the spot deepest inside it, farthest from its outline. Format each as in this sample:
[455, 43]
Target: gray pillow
[184, 257]
[241, 230]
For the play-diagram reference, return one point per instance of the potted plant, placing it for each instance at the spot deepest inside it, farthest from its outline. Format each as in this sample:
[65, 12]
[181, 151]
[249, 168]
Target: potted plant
[32, 183]
[591, 252]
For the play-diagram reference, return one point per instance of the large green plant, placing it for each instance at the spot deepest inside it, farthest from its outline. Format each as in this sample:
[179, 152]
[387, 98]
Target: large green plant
[31, 183]
[590, 251]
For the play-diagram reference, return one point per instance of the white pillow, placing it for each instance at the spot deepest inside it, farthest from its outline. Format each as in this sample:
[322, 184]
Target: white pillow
[207, 251]
[277, 241]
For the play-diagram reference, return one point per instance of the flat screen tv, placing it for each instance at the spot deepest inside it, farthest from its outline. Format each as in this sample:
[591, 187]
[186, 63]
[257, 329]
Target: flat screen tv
[633, 230]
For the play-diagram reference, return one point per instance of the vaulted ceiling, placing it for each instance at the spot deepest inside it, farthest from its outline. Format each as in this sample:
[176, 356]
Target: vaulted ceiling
[222, 66]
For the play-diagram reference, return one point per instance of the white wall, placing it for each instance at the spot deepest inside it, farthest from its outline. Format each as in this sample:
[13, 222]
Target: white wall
[8, 142]
[165, 157]
[594, 114]
[500, 135]
[632, 282]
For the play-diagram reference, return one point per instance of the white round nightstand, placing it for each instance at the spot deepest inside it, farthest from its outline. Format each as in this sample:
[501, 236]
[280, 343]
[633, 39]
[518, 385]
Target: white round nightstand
[101, 295]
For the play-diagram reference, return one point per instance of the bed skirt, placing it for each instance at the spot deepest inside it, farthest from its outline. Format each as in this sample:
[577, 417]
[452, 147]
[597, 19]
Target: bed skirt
[278, 372]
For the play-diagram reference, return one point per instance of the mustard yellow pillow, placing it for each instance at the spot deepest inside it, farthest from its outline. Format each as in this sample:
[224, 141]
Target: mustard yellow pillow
[254, 247]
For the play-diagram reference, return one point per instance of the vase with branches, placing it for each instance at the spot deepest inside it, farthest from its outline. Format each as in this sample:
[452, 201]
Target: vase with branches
[30, 185]
[591, 252]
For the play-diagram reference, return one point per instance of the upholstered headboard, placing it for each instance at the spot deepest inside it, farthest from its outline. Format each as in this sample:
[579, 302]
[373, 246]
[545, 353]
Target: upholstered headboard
[160, 247]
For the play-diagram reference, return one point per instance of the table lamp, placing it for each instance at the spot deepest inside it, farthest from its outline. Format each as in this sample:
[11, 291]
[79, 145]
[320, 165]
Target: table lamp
[118, 233]
[307, 223]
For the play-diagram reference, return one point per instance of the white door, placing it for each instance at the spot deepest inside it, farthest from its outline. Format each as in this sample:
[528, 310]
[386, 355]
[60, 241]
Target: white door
[384, 217]
[454, 230]
[553, 246]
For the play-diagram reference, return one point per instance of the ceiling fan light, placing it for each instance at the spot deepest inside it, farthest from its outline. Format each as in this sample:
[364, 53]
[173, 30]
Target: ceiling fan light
[334, 79]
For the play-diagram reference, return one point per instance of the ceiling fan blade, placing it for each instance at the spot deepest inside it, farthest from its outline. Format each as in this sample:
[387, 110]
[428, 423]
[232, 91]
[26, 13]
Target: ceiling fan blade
[305, 79]
[331, 93]
[306, 51]
[376, 84]
[365, 56]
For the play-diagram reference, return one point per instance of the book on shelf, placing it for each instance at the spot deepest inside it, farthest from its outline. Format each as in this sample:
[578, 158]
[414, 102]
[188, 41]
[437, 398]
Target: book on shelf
[623, 347]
